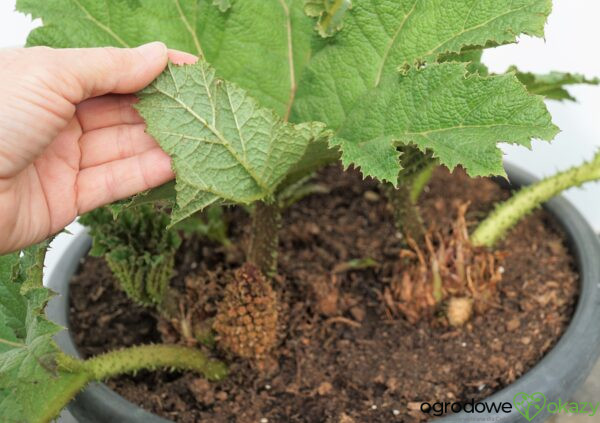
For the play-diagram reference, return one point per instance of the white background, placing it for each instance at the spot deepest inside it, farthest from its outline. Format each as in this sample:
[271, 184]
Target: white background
[571, 44]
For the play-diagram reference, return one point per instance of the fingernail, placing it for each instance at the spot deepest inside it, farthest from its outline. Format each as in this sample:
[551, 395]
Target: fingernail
[154, 51]
[181, 57]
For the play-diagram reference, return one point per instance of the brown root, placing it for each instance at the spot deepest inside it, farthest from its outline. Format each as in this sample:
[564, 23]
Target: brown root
[447, 274]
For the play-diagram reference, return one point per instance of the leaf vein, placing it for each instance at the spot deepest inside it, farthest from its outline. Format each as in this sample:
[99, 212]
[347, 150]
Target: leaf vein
[392, 41]
[290, 49]
[100, 25]
[189, 28]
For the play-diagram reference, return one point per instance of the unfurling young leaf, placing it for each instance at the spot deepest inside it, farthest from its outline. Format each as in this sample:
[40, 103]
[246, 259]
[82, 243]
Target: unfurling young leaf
[225, 146]
[138, 249]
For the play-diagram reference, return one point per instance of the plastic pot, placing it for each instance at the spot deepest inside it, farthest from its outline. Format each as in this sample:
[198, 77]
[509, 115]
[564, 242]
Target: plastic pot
[556, 376]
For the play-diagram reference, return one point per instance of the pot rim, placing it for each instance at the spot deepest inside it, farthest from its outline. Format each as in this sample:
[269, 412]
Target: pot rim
[556, 375]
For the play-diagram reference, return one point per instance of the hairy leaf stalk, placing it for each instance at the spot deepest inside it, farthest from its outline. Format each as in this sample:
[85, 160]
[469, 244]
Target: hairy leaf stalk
[152, 357]
[264, 237]
[407, 215]
[509, 213]
[417, 168]
[420, 181]
[128, 360]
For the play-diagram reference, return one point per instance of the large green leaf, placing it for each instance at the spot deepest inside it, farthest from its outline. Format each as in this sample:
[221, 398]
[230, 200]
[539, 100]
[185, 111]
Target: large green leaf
[459, 118]
[381, 36]
[225, 147]
[269, 49]
[36, 379]
[261, 45]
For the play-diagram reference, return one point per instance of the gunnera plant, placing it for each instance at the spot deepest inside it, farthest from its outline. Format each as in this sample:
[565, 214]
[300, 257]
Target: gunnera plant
[281, 89]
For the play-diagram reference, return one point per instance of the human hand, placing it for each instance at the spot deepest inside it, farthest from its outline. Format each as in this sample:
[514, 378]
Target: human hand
[70, 140]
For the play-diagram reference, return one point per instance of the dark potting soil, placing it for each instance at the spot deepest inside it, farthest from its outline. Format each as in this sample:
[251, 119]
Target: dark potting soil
[342, 358]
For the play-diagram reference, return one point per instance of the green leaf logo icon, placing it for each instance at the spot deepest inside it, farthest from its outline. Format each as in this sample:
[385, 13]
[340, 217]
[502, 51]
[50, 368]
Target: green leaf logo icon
[529, 405]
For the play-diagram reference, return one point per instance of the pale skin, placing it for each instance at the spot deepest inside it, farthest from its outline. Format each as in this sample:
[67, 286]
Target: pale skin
[70, 140]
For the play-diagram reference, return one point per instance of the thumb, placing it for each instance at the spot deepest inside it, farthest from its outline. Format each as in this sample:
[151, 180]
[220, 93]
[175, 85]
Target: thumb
[79, 74]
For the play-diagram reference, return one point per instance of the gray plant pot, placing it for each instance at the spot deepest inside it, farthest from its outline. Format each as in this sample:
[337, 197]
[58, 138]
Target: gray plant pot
[557, 375]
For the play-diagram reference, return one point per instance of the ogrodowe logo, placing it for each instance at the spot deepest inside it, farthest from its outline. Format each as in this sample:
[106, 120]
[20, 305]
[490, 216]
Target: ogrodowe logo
[528, 405]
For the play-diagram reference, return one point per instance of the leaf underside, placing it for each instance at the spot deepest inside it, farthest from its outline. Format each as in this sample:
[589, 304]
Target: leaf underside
[224, 145]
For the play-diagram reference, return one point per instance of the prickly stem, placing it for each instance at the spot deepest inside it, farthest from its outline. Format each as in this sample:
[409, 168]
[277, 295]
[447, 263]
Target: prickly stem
[510, 212]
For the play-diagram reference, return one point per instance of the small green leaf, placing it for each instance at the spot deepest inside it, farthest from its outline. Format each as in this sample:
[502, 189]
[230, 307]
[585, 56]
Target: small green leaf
[330, 14]
[552, 85]
[225, 147]
[459, 118]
